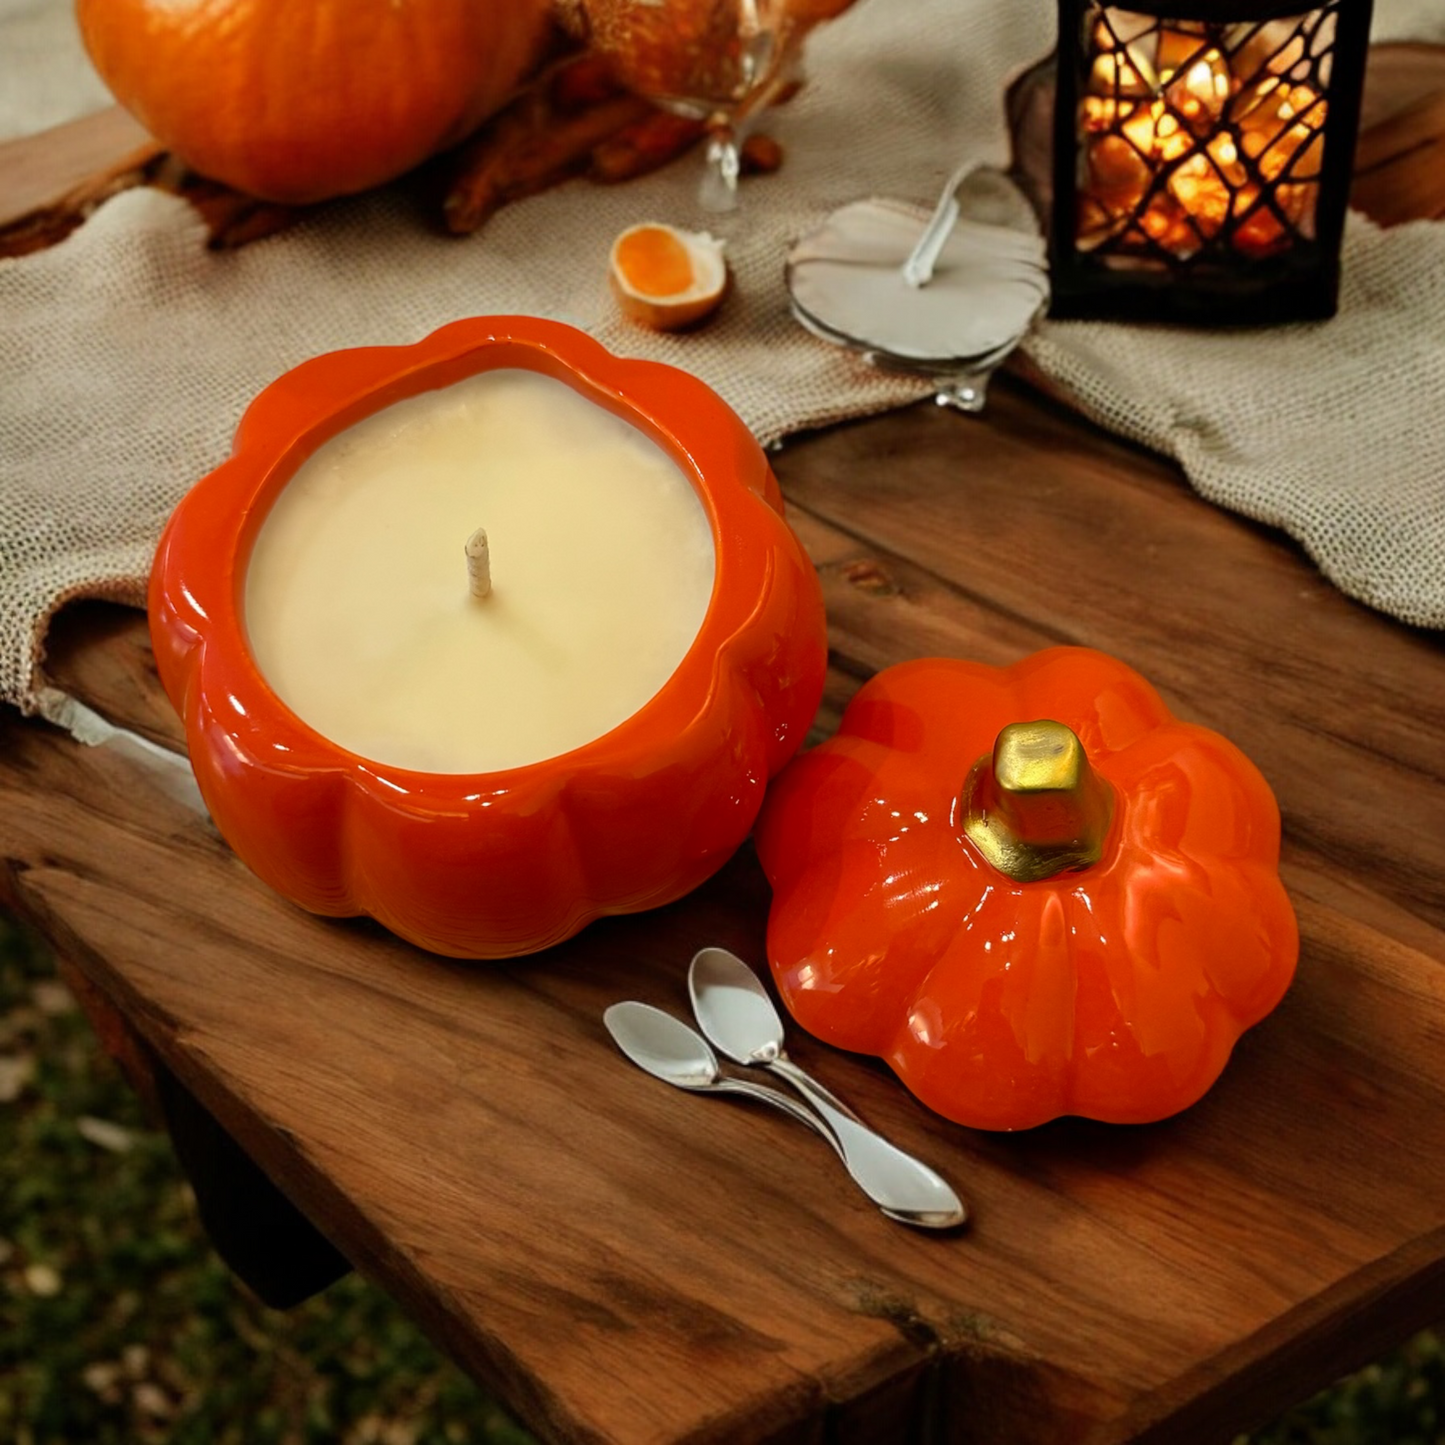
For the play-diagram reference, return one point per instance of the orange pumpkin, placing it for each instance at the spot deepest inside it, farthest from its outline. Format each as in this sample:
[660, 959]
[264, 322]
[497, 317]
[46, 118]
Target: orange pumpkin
[294, 101]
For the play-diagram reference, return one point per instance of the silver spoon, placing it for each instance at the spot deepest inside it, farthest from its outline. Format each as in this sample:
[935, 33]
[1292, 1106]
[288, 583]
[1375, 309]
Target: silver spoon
[669, 1050]
[738, 1017]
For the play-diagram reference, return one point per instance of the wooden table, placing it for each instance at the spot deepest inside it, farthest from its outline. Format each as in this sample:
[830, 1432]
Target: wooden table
[622, 1263]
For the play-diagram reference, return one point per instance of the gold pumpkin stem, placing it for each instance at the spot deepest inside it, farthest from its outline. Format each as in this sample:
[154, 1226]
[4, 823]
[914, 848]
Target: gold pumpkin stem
[1033, 806]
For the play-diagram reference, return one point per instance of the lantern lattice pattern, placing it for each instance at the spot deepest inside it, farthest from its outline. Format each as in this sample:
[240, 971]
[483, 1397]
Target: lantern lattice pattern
[1203, 151]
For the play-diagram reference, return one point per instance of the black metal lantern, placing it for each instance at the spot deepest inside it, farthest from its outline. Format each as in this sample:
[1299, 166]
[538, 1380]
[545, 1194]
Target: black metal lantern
[1202, 157]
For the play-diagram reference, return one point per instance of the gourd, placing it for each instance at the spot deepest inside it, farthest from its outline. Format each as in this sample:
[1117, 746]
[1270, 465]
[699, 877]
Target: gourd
[297, 100]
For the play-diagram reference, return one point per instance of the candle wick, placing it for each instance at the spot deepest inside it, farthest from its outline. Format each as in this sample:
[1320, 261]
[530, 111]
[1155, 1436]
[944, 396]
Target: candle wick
[479, 564]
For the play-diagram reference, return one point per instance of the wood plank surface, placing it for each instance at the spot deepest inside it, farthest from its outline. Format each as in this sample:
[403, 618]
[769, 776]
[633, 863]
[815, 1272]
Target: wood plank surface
[50, 183]
[38, 171]
[624, 1263]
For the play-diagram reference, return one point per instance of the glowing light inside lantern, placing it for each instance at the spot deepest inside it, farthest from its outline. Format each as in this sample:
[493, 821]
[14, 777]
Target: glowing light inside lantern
[1198, 136]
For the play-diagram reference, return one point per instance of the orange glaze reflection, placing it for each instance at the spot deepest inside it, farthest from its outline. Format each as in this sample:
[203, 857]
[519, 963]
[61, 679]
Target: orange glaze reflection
[1116, 991]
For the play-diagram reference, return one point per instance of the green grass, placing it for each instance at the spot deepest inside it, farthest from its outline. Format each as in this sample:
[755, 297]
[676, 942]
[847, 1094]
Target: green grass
[118, 1326]
[1399, 1400]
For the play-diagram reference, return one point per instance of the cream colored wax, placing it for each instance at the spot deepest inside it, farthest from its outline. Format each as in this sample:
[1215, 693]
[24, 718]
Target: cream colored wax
[358, 604]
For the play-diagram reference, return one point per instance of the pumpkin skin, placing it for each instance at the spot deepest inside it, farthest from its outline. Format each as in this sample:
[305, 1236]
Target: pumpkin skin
[296, 102]
[495, 864]
[1116, 991]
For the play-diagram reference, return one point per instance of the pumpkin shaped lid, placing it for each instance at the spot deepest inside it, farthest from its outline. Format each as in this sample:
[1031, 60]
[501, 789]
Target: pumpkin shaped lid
[1032, 890]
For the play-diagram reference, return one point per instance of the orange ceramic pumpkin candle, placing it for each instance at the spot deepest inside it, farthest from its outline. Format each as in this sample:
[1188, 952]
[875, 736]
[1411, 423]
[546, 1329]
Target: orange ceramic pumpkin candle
[492, 861]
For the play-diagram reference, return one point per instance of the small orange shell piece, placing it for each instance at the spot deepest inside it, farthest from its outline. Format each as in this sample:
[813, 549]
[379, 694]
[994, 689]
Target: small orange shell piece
[665, 278]
[654, 260]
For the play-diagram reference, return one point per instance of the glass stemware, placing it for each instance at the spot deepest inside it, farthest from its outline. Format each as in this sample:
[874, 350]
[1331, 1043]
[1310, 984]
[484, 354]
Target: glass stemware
[718, 61]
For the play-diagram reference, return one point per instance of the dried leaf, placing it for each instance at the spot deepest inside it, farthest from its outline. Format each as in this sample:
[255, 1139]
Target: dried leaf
[16, 1071]
[52, 997]
[42, 1281]
[104, 1135]
[101, 1378]
[151, 1400]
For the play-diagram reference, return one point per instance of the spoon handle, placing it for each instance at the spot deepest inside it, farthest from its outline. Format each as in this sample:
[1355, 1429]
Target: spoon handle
[894, 1180]
[785, 1068]
[778, 1100]
[906, 1200]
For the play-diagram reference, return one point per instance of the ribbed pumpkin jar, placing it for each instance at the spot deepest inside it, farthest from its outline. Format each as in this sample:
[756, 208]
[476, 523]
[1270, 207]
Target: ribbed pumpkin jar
[507, 861]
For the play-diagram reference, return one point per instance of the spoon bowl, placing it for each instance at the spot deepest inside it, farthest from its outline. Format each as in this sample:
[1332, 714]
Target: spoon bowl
[670, 1050]
[662, 1046]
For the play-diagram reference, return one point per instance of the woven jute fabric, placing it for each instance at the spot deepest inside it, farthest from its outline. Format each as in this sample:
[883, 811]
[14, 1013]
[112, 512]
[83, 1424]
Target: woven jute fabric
[129, 351]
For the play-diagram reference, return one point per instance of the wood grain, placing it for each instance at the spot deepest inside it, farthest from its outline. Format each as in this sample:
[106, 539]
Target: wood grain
[626, 1264]
[38, 172]
[1400, 165]
[1089, 549]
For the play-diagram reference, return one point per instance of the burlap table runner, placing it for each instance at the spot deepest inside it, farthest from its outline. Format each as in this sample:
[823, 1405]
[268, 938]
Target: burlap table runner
[128, 352]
